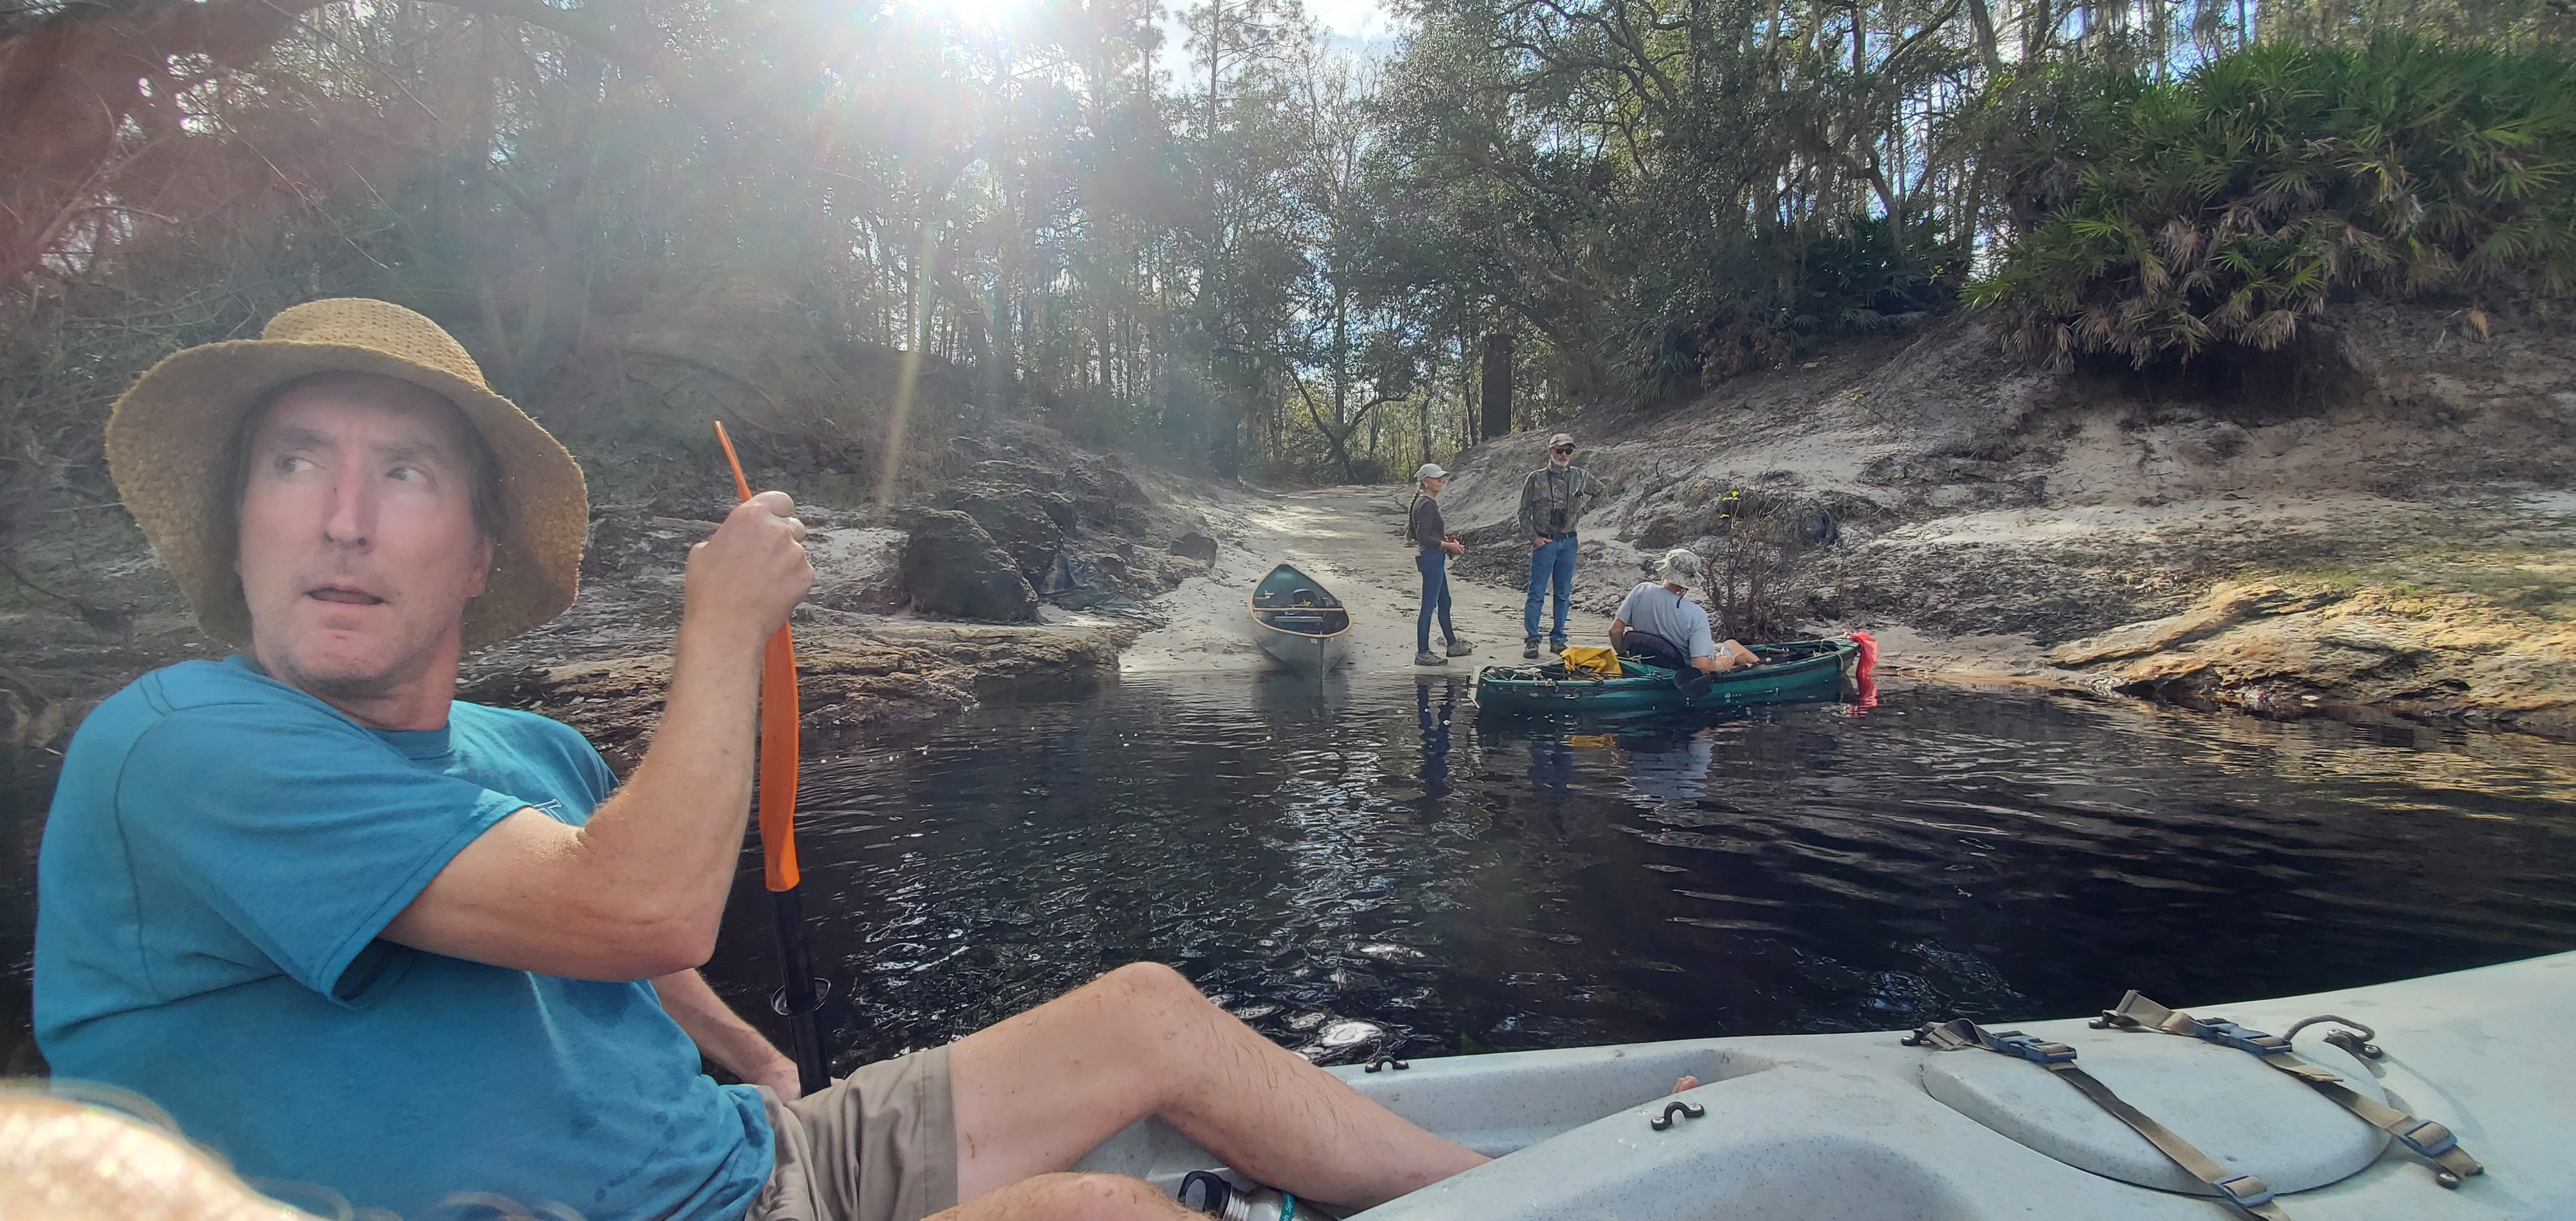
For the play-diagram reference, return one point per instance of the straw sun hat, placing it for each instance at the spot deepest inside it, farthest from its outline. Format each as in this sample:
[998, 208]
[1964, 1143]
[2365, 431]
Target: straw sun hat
[169, 436]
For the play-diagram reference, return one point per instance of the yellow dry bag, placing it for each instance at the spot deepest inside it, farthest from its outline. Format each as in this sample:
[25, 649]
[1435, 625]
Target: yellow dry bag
[1591, 659]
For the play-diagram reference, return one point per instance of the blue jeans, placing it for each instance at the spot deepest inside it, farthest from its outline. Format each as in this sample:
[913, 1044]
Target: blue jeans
[1434, 564]
[1553, 563]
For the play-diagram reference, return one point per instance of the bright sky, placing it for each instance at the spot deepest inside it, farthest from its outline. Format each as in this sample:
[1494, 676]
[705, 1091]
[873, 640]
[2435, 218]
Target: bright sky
[1353, 21]
[1348, 23]
[1354, 18]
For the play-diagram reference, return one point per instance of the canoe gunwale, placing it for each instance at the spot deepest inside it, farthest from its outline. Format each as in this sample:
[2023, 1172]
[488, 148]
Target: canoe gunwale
[1252, 605]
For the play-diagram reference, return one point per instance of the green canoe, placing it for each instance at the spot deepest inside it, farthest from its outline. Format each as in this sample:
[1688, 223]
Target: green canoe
[1797, 670]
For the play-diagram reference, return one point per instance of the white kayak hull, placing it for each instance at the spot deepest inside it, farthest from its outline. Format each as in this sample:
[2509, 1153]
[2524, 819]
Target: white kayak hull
[1842, 1126]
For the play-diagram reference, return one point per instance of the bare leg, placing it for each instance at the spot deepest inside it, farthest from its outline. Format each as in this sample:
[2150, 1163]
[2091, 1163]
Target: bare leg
[1038, 1091]
[1071, 1197]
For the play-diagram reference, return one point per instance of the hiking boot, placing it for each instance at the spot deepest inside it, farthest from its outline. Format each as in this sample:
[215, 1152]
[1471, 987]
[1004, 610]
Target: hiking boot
[1429, 659]
[1530, 648]
[1458, 647]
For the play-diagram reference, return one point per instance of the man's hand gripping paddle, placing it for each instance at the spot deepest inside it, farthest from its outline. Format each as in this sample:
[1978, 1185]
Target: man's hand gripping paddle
[803, 993]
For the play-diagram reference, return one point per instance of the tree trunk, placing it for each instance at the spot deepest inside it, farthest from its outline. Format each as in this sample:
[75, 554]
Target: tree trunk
[1983, 19]
[1498, 384]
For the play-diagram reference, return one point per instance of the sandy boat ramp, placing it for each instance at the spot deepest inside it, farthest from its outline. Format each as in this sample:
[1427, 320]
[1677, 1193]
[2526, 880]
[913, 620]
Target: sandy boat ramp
[1351, 538]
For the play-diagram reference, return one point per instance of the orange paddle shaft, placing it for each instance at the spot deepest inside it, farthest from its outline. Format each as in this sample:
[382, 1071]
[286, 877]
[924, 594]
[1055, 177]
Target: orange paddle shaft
[777, 733]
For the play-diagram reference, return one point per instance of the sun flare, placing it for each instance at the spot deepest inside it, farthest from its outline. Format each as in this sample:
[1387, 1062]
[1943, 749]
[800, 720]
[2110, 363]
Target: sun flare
[973, 14]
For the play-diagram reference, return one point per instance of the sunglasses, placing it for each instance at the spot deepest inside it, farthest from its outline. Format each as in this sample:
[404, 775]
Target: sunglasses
[1562, 449]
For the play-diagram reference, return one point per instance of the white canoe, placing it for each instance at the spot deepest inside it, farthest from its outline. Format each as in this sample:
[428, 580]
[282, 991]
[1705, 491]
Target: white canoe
[1849, 1126]
[1298, 622]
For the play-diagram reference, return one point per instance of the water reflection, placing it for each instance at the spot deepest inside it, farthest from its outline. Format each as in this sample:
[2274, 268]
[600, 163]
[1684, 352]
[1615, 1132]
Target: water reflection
[1669, 765]
[1435, 736]
[1324, 852]
[1318, 853]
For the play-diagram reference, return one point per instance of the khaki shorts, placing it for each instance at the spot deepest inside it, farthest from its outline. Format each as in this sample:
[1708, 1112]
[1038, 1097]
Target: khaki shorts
[878, 1145]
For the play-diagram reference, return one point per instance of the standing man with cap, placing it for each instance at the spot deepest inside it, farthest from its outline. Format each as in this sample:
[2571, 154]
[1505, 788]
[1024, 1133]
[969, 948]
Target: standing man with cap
[1433, 547]
[1553, 501]
[359, 934]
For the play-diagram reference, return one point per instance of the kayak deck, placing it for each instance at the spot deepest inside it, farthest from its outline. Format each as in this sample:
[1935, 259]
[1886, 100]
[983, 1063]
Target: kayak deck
[1841, 1125]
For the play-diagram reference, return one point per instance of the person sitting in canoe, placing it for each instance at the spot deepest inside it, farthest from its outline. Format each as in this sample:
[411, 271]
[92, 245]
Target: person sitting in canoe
[1660, 623]
[358, 934]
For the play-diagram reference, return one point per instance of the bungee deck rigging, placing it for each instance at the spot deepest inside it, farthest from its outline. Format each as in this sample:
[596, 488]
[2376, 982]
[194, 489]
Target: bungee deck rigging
[2422, 1137]
[2247, 1193]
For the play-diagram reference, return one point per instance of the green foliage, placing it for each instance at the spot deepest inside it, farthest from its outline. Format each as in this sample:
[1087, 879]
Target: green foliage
[2164, 220]
[854, 229]
[1674, 193]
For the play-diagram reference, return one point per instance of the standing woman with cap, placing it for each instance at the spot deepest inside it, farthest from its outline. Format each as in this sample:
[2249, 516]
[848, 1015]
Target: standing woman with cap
[1433, 546]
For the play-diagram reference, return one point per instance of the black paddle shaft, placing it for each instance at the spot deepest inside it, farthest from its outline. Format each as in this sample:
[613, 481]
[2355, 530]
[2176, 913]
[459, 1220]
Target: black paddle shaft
[802, 995]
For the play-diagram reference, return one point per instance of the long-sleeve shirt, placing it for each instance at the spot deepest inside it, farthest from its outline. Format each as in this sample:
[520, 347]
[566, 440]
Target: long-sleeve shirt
[1426, 527]
[1550, 492]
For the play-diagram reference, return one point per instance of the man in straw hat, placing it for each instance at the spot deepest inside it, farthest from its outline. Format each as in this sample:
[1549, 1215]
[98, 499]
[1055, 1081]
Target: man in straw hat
[1658, 621]
[358, 935]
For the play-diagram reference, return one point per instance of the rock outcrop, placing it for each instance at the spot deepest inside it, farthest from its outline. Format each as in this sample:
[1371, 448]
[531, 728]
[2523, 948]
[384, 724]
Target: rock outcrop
[1028, 522]
[1195, 546]
[858, 570]
[954, 568]
[850, 682]
[2282, 650]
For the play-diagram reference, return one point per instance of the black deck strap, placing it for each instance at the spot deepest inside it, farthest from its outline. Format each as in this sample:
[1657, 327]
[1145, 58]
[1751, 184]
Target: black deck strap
[2244, 1192]
[2422, 1137]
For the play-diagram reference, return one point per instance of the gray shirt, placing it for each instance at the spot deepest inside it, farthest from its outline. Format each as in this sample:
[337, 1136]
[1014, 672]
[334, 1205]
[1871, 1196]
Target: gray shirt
[1652, 608]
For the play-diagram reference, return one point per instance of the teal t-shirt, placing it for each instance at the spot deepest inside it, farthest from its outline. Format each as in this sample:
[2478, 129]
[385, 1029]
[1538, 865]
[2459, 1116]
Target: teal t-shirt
[222, 852]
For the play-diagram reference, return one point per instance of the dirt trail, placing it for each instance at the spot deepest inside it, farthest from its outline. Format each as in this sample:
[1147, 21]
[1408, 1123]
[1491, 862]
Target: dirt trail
[1351, 538]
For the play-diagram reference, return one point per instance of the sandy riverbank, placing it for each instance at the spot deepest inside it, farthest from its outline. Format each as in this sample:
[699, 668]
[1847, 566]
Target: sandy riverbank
[2393, 541]
[1351, 538]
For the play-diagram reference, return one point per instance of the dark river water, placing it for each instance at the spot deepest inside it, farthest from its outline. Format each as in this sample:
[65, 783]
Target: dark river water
[1371, 849]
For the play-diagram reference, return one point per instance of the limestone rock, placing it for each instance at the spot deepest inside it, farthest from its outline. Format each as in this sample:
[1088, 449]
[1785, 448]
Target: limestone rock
[1106, 498]
[2282, 651]
[954, 568]
[849, 684]
[858, 570]
[620, 544]
[1196, 546]
[2225, 606]
[1028, 522]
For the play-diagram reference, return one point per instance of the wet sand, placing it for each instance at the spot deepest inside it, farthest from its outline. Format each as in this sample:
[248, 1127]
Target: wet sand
[1351, 538]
